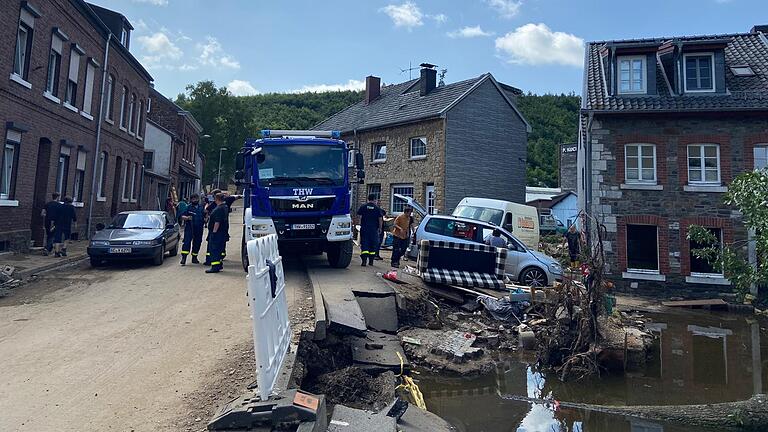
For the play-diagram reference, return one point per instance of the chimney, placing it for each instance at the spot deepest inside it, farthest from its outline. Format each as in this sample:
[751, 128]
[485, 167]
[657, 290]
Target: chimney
[428, 80]
[372, 88]
[760, 29]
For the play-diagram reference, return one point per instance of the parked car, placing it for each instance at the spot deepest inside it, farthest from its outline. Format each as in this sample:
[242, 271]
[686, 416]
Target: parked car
[135, 235]
[524, 265]
[551, 225]
[520, 219]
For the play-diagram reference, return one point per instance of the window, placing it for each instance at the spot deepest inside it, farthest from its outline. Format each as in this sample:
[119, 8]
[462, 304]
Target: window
[760, 153]
[109, 100]
[23, 45]
[131, 112]
[70, 96]
[134, 177]
[418, 148]
[140, 121]
[149, 158]
[642, 248]
[103, 160]
[62, 171]
[379, 153]
[123, 107]
[429, 192]
[699, 72]
[397, 205]
[456, 229]
[701, 266]
[77, 191]
[124, 37]
[632, 74]
[9, 164]
[742, 71]
[54, 66]
[374, 189]
[90, 74]
[640, 163]
[704, 164]
[126, 175]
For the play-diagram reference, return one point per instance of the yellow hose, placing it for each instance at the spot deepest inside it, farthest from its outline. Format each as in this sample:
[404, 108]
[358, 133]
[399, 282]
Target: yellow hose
[410, 387]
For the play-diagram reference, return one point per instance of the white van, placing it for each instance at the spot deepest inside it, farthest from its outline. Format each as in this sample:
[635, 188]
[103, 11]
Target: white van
[519, 219]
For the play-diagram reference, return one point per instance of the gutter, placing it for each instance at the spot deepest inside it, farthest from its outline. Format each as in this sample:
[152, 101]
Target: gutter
[97, 150]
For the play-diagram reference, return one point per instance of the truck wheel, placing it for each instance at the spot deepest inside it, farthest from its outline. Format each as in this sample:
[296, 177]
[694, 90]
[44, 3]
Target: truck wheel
[244, 254]
[340, 254]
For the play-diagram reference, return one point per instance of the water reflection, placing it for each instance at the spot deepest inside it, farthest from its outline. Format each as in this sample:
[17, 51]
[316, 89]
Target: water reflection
[698, 358]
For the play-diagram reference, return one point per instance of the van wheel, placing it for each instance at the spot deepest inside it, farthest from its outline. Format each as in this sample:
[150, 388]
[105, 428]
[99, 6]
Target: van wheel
[534, 277]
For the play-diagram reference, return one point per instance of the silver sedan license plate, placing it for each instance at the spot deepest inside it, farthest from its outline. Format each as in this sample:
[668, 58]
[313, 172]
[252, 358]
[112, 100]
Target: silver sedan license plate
[303, 226]
[123, 250]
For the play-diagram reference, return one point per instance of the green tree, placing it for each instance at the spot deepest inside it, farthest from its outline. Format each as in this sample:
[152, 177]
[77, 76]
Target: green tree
[748, 193]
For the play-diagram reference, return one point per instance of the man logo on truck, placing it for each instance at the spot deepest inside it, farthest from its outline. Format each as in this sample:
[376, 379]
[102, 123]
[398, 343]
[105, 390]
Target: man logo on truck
[303, 206]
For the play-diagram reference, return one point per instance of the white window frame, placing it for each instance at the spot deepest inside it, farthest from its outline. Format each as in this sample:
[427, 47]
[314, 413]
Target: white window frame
[368, 190]
[139, 119]
[763, 147]
[124, 187]
[131, 111]
[123, 97]
[703, 181]
[375, 152]
[410, 148]
[711, 55]
[11, 140]
[392, 188]
[658, 254]
[23, 56]
[102, 161]
[134, 176]
[109, 101]
[639, 157]
[631, 59]
[719, 275]
[430, 200]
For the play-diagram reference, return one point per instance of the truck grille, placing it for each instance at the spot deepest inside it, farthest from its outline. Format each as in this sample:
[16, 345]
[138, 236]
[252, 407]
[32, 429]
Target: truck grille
[310, 205]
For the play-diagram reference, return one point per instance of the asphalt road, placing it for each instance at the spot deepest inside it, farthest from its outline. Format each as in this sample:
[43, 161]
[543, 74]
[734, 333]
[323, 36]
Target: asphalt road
[127, 347]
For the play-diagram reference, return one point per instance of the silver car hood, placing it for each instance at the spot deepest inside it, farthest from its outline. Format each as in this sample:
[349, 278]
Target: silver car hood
[122, 234]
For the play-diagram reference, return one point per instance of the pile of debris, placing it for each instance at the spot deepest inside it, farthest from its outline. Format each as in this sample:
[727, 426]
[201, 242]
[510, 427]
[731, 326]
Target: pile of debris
[7, 281]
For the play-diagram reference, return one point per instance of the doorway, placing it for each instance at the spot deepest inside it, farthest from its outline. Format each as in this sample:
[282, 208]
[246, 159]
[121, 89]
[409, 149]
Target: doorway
[40, 195]
[116, 195]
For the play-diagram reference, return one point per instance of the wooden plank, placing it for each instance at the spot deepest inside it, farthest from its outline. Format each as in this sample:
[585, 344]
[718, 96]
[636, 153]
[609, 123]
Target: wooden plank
[342, 311]
[695, 303]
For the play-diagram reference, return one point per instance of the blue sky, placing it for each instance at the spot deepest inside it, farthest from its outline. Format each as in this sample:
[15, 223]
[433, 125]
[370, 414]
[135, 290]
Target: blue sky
[291, 45]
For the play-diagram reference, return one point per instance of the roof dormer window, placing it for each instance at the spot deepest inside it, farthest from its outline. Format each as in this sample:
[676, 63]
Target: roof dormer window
[632, 74]
[124, 37]
[742, 71]
[699, 72]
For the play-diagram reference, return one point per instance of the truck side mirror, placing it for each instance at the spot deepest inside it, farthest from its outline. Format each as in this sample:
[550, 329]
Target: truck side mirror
[260, 158]
[359, 161]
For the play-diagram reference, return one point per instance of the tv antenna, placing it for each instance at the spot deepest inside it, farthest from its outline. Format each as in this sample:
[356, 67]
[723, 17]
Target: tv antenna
[409, 70]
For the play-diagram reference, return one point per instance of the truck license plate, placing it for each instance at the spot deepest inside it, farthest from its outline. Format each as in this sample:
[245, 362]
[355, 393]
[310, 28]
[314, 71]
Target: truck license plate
[119, 250]
[303, 226]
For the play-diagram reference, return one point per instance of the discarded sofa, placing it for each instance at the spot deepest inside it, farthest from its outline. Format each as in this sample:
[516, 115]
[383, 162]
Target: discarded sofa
[462, 264]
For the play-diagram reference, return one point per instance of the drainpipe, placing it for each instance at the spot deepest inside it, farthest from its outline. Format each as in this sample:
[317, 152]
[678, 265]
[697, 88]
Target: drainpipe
[588, 177]
[98, 135]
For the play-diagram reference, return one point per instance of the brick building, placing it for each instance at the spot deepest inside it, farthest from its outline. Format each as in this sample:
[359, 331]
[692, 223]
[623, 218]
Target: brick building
[666, 124]
[65, 55]
[437, 144]
[186, 134]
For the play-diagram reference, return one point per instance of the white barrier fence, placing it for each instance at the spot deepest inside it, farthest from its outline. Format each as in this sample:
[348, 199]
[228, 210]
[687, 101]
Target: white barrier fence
[269, 311]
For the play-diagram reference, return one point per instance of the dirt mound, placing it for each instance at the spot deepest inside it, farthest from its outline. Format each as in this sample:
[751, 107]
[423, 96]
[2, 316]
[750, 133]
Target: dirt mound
[355, 388]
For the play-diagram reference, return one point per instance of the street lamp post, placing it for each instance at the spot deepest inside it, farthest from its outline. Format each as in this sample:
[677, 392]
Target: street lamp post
[218, 176]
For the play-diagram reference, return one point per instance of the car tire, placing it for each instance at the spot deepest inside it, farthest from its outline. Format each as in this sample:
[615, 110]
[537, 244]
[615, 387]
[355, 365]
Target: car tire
[533, 276]
[95, 262]
[175, 251]
[158, 259]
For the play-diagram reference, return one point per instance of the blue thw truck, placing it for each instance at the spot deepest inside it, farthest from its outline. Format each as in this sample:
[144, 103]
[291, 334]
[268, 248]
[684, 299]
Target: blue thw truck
[298, 186]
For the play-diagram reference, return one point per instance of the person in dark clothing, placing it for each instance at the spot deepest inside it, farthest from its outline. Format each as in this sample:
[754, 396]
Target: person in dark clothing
[65, 215]
[49, 215]
[371, 224]
[218, 233]
[209, 208]
[382, 235]
[573, 238]
[230, 199]
[194, 216]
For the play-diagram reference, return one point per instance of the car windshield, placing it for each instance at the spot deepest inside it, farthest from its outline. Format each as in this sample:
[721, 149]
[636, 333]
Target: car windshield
[302, 165]
[484, 214]
[137, 221]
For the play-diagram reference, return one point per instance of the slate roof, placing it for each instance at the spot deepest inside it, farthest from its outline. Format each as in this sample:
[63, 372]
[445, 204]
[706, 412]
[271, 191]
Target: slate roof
[743, 93]
[402, 103]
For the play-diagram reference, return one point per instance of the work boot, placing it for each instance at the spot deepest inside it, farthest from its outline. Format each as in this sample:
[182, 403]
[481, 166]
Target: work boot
[365, 261]
[183, 260]
[63, 252]
[214, 269]
[370, 261]
[195, 260]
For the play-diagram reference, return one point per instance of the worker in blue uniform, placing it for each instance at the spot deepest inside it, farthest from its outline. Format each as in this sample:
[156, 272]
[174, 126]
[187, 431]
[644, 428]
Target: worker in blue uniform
[371, 224]
[218, 233]
[194, 217]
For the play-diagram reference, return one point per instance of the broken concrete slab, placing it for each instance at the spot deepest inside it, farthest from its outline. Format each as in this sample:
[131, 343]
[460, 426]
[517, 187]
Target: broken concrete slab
[375, 359]
[380, 312]
[458, 346]
[342, 312]
[417, 420]
[345, 419]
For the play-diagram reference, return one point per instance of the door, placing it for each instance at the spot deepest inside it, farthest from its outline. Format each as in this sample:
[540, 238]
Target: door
[514, 252]
[116, 195]
[429, 192]
[41, 189]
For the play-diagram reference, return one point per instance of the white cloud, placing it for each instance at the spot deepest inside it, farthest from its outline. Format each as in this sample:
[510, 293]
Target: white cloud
[153, 2]
[241, 88]
[159, 50]
[506, 8]
[212, 54]
[440, 18]
[406, 15]
[352, 84]
[469, 32]
[536, 44]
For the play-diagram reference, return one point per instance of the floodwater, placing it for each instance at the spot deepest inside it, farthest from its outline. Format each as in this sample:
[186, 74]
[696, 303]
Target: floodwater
[699, 357]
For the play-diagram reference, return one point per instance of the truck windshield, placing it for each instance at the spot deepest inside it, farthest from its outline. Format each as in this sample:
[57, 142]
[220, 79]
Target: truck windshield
[484, 214]
[302, 165]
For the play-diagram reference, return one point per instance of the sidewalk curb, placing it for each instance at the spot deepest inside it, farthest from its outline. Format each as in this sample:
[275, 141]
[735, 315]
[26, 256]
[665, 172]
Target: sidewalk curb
[24, 274]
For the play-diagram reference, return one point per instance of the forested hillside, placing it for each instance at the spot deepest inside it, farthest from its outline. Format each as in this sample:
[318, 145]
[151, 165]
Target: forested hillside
[229, 120]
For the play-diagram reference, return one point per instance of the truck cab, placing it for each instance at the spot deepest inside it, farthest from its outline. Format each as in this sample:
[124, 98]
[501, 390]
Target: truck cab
[297, 186]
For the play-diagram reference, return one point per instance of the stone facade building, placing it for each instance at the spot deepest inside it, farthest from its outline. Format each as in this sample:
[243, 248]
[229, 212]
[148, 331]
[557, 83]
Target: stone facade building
[568, 167]
[666, 124]
[63, 55]
[437, 144]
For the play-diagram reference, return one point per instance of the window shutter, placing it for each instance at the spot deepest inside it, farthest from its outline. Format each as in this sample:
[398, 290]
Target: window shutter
[81, 155]
[90, 73]
[65, 150]
[56, 44]
[74, 65]
[13, 136]
[27, 18]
